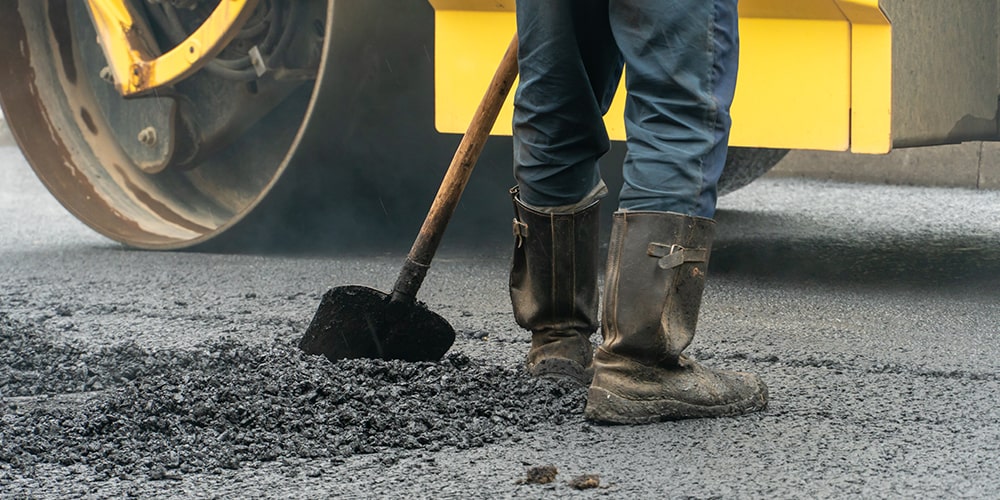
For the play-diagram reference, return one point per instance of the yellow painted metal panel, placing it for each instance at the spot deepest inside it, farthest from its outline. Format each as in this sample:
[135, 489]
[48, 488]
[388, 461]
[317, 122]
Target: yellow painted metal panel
[807, 79]
[871, 76]
[871, 101]
[817, 10]
[863, 12]
[793, 95]
[468, 50]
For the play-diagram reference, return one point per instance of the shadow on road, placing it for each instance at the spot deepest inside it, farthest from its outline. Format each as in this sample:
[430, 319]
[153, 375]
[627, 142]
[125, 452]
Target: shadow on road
[792, 249]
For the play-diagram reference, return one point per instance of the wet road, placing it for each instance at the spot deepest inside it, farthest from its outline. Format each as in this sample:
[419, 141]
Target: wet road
[872, 312]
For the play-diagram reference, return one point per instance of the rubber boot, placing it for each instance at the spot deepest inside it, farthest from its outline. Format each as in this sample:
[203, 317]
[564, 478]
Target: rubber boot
[657, 263]
[553, 287]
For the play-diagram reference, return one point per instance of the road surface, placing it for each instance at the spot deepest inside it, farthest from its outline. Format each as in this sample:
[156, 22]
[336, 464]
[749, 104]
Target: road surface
[872, 313]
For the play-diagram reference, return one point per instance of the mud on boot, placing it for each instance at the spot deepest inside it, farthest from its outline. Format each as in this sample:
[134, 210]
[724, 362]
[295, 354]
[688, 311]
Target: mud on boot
[561, 355]
[553, 287]
[657, 264]
[627, 392]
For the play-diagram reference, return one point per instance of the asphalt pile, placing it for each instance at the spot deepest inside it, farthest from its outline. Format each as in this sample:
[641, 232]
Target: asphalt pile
[224, 404]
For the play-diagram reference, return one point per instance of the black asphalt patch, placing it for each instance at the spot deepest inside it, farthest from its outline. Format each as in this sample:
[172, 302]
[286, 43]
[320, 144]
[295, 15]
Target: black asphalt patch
[125, 411]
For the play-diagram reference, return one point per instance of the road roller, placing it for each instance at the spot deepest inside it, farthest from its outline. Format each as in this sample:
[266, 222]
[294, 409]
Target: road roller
[227, 124]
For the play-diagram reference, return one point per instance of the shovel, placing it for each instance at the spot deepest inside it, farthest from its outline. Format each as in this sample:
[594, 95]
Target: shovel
[360, 322]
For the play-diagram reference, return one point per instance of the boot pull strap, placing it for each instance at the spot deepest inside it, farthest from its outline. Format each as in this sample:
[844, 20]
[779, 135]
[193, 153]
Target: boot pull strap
[520, 232]
[672, 256]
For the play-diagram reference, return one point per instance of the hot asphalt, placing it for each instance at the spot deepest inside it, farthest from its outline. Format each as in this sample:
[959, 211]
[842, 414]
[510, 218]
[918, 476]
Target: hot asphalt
[872, 312]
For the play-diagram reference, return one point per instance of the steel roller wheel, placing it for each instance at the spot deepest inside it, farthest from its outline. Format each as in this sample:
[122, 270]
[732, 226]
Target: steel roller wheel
[326, 146]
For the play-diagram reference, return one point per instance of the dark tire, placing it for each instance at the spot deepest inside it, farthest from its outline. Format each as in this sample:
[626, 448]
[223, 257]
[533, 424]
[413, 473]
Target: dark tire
[745, 165]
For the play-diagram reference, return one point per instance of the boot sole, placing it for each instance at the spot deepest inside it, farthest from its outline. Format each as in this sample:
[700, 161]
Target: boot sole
[562, 369]
[607, 407]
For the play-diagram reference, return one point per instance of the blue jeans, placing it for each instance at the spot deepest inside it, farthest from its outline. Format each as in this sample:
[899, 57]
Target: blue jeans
[680, 59]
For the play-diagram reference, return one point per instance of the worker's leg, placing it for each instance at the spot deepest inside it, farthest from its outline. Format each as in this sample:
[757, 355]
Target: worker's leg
[681, 69]
[681, 61]
[652, 294]
[553, 287]
[570, 68]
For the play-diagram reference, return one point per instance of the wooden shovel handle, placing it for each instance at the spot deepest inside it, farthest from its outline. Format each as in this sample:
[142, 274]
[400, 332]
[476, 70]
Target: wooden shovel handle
[419, 259]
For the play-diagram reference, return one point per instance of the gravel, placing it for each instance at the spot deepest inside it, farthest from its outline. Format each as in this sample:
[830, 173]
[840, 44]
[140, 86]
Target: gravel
[125, 411]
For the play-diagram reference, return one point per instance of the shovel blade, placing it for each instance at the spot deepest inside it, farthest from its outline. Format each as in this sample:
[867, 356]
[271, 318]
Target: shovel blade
[360, 322]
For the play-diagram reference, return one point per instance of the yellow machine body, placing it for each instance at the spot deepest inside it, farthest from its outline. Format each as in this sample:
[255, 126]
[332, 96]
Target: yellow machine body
[814, 74]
